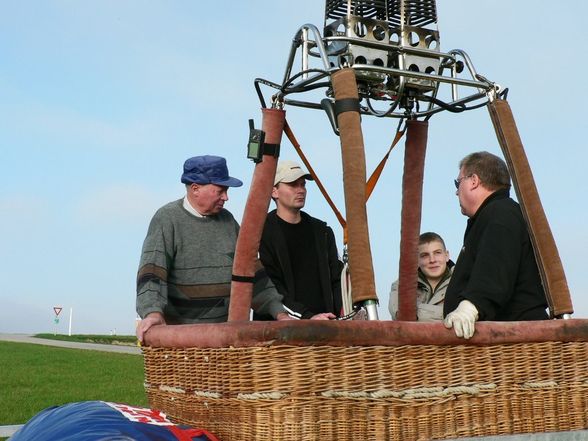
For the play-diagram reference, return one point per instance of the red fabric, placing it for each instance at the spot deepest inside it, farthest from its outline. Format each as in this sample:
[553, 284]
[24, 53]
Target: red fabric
[188, 434]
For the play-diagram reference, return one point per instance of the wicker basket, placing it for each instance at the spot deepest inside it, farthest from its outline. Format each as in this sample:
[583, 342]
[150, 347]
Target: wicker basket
[407, 392]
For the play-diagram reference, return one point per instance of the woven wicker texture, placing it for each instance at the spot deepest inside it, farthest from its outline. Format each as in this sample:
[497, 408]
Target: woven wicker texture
[372, 393]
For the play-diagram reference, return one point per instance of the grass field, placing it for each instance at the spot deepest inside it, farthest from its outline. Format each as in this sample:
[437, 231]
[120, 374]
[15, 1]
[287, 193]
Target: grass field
[34, 377]
[89, 338]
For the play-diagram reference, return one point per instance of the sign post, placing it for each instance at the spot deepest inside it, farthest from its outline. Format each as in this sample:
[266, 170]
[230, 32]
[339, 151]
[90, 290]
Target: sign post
[57, 310]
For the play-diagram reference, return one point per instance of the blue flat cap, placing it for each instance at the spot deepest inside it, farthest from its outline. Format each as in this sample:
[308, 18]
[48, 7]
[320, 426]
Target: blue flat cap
[208, 170]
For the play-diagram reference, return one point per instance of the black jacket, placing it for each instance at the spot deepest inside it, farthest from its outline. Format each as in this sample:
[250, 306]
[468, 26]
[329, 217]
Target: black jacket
[496, 269]
[275, 258]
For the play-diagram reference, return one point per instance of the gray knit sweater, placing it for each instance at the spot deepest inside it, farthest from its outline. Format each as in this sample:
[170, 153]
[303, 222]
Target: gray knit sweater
[186, 265]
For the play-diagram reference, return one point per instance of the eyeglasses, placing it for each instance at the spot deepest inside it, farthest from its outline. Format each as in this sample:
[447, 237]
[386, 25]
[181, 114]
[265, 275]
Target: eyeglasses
[457, 182]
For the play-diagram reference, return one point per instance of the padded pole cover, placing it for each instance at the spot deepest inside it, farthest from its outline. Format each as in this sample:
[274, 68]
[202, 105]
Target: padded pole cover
[410, 222]
[548, 260]
[362, 333]
[354, 178]
[246, 262]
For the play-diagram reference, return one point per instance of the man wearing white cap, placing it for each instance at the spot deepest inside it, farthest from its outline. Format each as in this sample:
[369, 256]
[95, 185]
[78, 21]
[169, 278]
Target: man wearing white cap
[299, 252]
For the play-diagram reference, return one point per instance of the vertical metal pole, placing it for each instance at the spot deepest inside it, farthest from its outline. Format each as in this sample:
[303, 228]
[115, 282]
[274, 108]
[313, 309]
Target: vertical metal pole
[305, 53]
[70, 319]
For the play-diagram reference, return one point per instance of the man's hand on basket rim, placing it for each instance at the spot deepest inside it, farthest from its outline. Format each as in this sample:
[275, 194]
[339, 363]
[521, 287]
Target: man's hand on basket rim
[462, 319]
[151, 319]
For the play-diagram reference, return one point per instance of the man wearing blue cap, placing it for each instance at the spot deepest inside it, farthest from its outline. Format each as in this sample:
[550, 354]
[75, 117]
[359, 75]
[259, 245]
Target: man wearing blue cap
[187, 258]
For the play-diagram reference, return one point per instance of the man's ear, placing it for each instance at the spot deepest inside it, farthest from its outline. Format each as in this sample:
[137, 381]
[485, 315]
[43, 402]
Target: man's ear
[274, 192]
[476, 182]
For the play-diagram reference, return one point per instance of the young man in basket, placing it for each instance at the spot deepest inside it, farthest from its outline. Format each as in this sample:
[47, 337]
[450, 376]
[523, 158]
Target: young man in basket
[299, 251]
[434, 273]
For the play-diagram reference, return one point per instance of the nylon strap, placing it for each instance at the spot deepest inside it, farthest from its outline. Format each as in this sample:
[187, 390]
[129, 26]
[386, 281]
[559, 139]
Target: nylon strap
[294, 141]
[370, 184]
[244, 279]
[373, 180]
[271, 150]
[347, 105]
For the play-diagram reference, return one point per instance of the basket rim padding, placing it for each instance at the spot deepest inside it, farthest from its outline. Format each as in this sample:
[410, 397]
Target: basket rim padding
[360, 333]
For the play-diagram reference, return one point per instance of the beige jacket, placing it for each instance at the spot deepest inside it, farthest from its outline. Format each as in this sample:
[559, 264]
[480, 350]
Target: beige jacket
[429, 302]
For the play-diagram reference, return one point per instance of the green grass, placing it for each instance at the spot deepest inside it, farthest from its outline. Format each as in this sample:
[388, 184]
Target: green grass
[34, 377]
[126, 340]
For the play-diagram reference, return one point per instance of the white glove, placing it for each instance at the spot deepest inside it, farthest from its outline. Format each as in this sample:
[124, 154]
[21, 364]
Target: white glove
[462, 319]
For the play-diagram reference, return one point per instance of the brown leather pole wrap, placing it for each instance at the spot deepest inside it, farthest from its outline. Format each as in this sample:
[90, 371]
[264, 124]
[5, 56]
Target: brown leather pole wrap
[254, 218]
[354, 178]
[549, 262]
[360, 333]
[410, 222]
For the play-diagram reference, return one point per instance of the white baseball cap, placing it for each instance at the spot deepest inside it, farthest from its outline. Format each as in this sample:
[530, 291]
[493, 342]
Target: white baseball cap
[290, 171]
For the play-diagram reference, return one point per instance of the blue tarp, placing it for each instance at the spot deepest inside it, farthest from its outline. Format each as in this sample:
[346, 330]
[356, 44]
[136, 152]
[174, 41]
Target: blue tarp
[99, 420]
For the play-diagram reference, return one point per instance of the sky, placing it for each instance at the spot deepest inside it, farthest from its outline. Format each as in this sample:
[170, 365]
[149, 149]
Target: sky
[102, 101]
